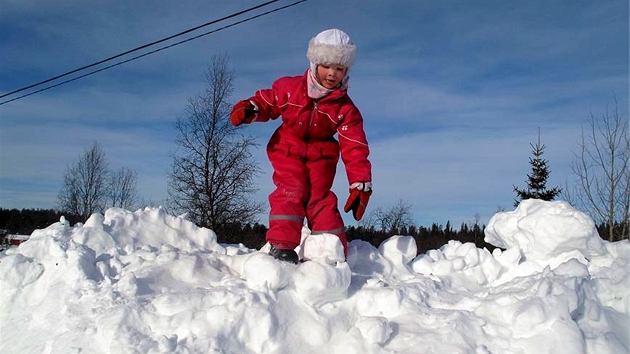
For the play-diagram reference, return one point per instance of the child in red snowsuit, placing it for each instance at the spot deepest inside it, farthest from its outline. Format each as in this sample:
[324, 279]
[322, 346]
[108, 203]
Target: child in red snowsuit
[303, 150]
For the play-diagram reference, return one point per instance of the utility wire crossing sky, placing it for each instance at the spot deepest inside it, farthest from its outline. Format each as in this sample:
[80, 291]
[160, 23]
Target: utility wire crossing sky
[144, 47]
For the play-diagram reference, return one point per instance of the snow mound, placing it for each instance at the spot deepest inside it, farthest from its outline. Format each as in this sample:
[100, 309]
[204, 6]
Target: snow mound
[149, 282]
[544, 230]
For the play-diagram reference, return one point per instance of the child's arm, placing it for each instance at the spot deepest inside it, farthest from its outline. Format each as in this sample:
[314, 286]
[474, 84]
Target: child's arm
[354, 153]
[270, 102]
[354, 147]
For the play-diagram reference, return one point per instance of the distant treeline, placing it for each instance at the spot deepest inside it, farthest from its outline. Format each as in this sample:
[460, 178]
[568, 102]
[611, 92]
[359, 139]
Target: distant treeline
[25, 221]
[427, 238]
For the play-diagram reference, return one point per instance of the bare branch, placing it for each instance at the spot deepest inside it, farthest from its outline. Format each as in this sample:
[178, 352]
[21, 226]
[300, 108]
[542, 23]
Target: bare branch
[214, 169]
[602, 168]
[85, 184]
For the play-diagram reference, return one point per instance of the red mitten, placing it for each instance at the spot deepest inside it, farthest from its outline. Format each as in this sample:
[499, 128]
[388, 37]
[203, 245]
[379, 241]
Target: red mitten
[358, 200]
[242, 112]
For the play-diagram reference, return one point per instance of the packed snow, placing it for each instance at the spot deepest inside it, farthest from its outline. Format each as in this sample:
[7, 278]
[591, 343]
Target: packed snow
[149, 282]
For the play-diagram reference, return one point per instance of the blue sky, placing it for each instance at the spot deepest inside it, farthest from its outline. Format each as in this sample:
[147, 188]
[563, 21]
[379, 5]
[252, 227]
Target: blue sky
[452, 92]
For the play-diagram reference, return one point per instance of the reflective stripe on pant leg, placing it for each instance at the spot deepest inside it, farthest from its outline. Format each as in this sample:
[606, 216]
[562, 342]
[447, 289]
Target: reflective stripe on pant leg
[285, 229]
[333, 231]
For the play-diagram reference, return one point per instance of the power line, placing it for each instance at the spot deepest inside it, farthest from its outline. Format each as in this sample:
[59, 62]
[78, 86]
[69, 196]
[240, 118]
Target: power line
[146, 46]
[154, 51]
[136, 49]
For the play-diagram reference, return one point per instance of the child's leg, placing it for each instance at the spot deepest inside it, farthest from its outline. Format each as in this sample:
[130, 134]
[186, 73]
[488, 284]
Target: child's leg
[288, 200]
[322, 212]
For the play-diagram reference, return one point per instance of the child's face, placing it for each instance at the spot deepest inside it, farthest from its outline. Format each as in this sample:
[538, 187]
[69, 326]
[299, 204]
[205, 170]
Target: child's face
[330, 75]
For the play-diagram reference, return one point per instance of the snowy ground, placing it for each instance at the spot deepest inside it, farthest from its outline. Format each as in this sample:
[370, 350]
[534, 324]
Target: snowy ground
[147, 282]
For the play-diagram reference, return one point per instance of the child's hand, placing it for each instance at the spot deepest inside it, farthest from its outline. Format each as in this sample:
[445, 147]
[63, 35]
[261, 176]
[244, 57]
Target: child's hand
[360, 193]
[243, 112]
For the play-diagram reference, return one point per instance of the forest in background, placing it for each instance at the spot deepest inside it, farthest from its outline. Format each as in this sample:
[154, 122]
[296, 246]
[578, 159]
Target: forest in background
[25, 221]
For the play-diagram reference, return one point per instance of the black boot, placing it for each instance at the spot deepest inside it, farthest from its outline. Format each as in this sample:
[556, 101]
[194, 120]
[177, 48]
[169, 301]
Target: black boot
[285, 255]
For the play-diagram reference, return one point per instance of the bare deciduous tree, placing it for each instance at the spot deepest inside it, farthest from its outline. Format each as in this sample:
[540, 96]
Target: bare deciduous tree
[602, 168]
[122, 188]
[392, 220]
[85, 184]
[213, 170]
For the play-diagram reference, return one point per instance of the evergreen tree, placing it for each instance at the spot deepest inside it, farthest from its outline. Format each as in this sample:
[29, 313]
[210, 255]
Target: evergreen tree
[537, 179]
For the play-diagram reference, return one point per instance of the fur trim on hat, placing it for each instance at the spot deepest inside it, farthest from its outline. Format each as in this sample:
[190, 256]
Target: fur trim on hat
[331, 47]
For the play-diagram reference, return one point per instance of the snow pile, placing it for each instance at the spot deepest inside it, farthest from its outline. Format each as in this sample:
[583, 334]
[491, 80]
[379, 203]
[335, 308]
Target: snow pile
[147, 282]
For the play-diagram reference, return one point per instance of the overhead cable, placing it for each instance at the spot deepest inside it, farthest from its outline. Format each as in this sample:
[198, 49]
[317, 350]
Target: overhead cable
[146, 46]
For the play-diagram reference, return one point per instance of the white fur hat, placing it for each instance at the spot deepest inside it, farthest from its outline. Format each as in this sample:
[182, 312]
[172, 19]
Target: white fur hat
[331, 46]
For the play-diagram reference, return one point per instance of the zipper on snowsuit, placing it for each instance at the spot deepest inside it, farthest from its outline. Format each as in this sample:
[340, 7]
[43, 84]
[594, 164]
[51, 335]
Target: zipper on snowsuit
[310, 122]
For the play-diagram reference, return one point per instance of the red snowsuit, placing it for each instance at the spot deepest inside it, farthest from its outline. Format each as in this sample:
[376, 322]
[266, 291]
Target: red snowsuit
[304, 154]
